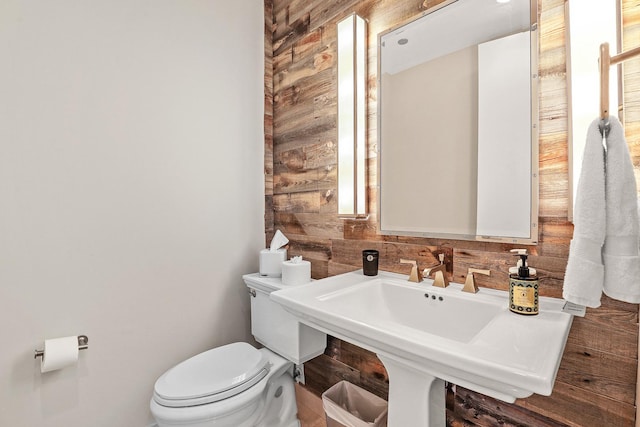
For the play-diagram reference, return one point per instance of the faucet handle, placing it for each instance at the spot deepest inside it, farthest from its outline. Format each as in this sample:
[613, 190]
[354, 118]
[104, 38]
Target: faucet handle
[415, 275]
[470, 283]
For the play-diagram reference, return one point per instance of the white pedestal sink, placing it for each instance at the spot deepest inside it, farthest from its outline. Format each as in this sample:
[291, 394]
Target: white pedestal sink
[415, 398]
[425, 336]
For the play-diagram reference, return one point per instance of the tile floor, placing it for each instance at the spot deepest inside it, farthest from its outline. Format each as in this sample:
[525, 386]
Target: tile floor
[310, 409]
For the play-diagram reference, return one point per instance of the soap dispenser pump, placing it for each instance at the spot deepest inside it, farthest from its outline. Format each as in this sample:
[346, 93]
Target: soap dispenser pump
[523, 286]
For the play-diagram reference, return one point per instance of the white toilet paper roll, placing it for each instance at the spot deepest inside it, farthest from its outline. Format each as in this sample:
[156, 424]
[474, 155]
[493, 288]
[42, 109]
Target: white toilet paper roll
[59, 353]
[296, 272]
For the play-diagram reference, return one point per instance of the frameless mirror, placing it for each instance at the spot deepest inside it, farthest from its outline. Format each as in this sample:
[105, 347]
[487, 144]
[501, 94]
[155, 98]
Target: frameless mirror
[457, 123]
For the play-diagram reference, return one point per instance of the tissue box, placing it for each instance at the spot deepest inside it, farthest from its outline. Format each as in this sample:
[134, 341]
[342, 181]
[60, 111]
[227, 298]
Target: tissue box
[271, 262]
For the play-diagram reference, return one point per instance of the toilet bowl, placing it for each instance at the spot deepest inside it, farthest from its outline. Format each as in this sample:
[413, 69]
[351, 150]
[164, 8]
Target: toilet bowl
[237, 385]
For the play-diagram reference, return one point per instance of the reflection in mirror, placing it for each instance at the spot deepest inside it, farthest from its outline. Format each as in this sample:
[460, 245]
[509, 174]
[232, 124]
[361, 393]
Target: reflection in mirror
[457, 123]
[587, 27]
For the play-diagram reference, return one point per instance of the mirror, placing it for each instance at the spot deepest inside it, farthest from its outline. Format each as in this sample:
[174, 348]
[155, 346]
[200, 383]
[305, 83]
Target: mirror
[457, 123]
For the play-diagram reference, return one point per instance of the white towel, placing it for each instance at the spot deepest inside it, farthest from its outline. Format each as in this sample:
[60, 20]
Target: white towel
[606, 210]
[620, 252]
[584, 277]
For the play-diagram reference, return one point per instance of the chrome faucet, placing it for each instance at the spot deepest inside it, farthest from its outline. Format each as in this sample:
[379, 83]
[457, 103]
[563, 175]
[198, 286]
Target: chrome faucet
[439, 279]
[415, 275]
[470, 282]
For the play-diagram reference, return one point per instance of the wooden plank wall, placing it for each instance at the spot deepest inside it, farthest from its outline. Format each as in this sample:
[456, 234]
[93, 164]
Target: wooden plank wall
[597, 377]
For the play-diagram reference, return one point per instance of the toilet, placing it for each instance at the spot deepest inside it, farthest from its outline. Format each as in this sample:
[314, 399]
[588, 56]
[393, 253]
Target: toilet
[238, 385]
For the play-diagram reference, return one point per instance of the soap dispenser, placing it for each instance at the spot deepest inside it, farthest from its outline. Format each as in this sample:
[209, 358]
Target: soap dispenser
[523, 286]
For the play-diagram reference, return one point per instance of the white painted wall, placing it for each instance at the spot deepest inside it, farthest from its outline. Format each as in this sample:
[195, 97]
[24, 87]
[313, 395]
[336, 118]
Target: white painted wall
[131, 195]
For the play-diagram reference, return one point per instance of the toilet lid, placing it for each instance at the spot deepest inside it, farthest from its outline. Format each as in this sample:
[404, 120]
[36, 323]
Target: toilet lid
[213, 375]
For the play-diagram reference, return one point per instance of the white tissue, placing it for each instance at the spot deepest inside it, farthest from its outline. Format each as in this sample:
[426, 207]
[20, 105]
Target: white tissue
[59, 353]
[278, 241]
[296, 271]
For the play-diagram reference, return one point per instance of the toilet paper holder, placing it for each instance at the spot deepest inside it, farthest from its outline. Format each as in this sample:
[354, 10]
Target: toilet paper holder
[83, 344]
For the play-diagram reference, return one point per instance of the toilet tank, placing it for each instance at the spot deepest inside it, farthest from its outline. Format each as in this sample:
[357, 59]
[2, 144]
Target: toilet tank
[276, 329]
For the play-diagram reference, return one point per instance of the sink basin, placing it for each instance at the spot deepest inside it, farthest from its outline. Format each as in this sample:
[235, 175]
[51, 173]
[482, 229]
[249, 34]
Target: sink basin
[426, 335]
[412, 309]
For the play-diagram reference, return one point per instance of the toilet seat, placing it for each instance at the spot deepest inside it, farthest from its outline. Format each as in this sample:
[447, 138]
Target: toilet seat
[211, 376]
